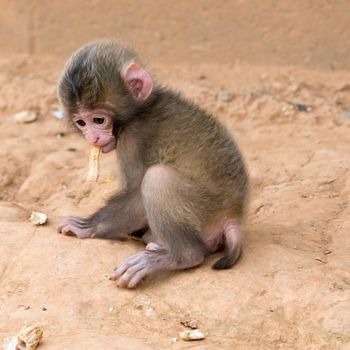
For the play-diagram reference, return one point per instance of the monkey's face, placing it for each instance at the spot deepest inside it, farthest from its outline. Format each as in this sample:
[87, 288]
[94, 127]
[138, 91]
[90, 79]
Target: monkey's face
[97, 128]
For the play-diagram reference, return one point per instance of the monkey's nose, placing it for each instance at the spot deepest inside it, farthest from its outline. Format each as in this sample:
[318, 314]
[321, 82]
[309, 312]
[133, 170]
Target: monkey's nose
[96, 140]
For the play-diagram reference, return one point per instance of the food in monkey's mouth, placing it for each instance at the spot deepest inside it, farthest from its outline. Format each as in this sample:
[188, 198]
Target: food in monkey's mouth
[94, 164]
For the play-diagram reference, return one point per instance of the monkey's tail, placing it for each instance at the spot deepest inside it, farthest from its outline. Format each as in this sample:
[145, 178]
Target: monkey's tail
[233, 247]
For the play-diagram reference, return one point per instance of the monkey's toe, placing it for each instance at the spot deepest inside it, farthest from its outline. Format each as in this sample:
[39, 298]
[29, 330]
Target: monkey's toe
[133, 276]
[135, 268]
[73, 225]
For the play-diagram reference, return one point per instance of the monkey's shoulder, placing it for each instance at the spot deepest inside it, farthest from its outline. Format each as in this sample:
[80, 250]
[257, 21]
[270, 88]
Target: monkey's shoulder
[173, 113]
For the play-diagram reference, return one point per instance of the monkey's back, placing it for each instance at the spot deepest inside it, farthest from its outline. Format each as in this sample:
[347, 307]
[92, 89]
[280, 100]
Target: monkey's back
[200, 147]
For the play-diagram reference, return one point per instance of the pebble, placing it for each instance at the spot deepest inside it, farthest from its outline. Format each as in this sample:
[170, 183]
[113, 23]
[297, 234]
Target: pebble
[194, 334]
[225, 96]
[25, 117]
[302, 108]
[38, 218]
[57, 113]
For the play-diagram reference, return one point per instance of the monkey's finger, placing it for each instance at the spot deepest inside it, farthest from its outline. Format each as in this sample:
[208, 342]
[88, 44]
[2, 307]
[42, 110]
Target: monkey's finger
[118, 271]
[125, 265]
[67, 229]
[137, 277]
[66, 221]
[62, 228]
[124, 280]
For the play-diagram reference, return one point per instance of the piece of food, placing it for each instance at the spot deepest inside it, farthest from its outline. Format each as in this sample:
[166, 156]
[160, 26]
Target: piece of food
[94, 164]
[25, 117]
[194, 334]
[30, 336]
[28, 339]
[38, 218]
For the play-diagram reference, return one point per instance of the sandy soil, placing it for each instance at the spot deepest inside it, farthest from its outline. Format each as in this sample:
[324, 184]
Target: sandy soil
[291, 289]
[308, 33]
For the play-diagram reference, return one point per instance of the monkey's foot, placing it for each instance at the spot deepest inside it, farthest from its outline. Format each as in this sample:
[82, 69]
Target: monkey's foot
[74, 225]
[133, 269]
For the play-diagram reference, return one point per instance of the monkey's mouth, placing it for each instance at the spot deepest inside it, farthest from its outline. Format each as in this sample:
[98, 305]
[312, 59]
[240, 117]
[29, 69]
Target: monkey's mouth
[110, 146]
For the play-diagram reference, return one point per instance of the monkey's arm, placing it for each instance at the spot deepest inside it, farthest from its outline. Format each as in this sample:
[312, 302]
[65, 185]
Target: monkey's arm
[123, 214]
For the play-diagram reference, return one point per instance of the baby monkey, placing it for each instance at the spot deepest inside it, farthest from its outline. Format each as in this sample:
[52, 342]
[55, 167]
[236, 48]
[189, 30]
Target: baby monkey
[184, 183]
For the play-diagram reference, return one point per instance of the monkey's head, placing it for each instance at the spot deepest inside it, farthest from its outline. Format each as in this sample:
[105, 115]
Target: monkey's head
[102, 89]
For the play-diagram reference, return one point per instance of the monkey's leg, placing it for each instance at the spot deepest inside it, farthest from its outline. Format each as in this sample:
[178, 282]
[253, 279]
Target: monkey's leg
[174, 207]
[122, 214]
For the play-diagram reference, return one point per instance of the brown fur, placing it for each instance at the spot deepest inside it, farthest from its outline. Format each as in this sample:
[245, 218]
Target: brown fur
[181, 168]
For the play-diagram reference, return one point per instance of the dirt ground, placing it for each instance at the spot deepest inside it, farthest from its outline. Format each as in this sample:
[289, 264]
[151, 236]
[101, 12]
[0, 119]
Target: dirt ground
[290, 290]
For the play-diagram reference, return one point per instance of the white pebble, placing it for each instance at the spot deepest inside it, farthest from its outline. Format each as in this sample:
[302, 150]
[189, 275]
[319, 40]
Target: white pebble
[25, 117]
[38, 218]
[194, 334]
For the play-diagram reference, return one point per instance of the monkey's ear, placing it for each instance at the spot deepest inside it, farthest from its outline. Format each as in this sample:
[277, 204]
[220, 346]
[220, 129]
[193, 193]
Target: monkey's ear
[138, 81]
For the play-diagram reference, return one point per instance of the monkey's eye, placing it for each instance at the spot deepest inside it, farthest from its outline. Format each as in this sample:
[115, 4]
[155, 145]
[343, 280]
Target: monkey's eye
[81, 122]
[99, 120]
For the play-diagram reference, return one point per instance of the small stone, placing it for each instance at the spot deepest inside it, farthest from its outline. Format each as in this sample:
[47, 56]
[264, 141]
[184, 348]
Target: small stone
[71, 149]
[201, 77]
[225, 96]
[188, 321]
[25, 117]
[10, 343]
[30, 337]
[38, 218]
[302, 108]
[57, 113]
[194, 334]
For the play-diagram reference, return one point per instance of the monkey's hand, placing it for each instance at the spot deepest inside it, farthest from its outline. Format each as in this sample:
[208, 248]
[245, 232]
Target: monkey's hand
[74, 225]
